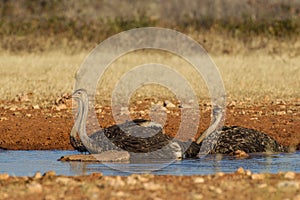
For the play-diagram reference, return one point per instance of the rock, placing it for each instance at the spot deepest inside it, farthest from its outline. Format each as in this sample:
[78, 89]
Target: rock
[17, 114]
[240, 170]
[248, 172]
[220, 174]
[3, 118]
[288, 184]
[61, 107]
[152, 186]
[28, 115]
[290, 175]
[13, 108]
[4, 177]
[199, 180]
[49, 174]
[65, 180]
[215, 189]
[36, 107]
[169, 104]
[115, 181]
[34, 187]
[263, 185]
[37, 175]
[240, 154]
[197, 196]
[257, 176]
[131, 180]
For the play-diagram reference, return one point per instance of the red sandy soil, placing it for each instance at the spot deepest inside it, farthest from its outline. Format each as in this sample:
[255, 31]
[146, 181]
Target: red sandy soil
[45, 129]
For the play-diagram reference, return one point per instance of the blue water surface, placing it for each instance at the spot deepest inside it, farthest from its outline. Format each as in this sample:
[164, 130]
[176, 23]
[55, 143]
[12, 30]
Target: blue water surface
[27, 163]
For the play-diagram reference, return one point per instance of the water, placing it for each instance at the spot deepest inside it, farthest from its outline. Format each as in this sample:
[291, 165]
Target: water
[27, 163]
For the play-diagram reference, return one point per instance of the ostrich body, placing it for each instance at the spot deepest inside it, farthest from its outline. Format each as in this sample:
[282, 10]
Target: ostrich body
[122, 137]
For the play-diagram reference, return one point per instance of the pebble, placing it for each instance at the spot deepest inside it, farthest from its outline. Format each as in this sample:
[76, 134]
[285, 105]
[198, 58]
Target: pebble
[197, 196]
[288, 184]
[152, 186]
[240, 154]
[289, 175]
[169, 104]
[215, 189]
[264, 185]
[220, 174]
[240, 170]
[4, 177]
[49, 173]
[28, 115]
[131, 180]
[64, 180]
[14, 108]
[199, 180]
[61, 107]
[36, 107]
[248, 172]
[3, 118]
[257, 176]
[34, 187]
[17, 114]
[37, 175]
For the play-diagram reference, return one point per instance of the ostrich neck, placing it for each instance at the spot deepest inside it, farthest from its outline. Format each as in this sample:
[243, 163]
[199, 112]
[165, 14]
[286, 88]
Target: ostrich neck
[81, 124]
[212, 128]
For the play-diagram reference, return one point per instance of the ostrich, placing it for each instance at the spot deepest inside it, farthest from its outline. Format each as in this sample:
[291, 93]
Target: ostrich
[226, 140]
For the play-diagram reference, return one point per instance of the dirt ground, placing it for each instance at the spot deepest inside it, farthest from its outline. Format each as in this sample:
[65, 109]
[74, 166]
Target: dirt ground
[26, 128]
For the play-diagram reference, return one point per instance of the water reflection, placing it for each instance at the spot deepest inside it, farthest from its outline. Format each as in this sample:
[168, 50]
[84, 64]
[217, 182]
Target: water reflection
[21, 163]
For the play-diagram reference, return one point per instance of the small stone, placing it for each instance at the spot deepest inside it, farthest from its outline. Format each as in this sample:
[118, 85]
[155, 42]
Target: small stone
[290, 175]
[280, 113]
[169, 104]
[4, 177]
[49, 173]
[64, 180]
[197, 196]
[199, 180]
[152, 186]
[257, 176]
[215, 189]
[13, 108]
[218, 191]
[248, 172]
[240, 154]
[220, 174]
[288, 184]
[34, 187]
[61, 107]
[37, 175]
[28, 115]
[3, 118]
[36, 107]
[264, 185]
[17, 114]
[131, 180]
[240, 170]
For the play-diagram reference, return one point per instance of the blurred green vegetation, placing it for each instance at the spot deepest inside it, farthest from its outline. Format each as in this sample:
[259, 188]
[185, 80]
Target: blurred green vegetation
[43, 25]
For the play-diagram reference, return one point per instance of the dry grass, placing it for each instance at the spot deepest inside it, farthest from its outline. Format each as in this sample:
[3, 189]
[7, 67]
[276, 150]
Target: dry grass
[253, 77]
